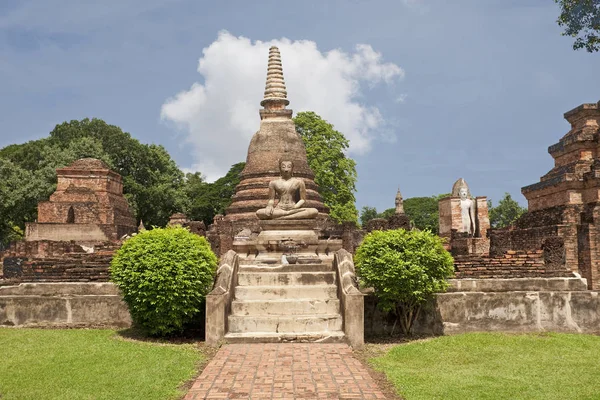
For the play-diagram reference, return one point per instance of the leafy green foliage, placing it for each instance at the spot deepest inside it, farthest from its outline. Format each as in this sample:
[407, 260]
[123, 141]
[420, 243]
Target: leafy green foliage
[164, 275]
[387, 213]
[506, 212]
[424, 212]
[405, 268]
[581, 19]
[20, 191]
[335, 174]
[205, 200]
[366, 214]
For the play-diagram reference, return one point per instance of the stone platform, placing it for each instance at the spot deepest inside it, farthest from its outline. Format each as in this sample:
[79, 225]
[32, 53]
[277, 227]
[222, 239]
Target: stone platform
[72, 305]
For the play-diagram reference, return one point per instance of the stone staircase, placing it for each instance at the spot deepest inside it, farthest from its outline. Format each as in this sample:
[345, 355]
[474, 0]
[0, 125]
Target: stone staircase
[285, 302]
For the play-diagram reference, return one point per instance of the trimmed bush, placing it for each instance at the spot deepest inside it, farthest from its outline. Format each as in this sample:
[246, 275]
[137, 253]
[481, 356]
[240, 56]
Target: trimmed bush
[405, 268]
[164, 275]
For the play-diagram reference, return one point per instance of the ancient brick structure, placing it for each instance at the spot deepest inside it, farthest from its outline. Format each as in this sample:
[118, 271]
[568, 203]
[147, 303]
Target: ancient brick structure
[178, 219]
[276, 138]
[512, 264]
[377, 224]
[565, 203]
[53, 261]
[77, 231]
[87, 206]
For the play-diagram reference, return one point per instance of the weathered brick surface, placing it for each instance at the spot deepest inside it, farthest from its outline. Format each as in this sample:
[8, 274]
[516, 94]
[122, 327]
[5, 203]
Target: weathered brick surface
[48, 261]
[87, 192]
[513, 264]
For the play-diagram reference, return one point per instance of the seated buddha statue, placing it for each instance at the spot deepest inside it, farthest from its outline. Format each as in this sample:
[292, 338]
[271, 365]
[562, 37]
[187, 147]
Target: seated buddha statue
[287, 189]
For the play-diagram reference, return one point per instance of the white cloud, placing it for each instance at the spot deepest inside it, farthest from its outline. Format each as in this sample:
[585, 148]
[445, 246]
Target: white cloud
[401, 98]
[220, 115]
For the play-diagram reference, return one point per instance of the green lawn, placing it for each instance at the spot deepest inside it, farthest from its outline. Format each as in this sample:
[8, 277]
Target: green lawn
[90, 364]
[496, 366]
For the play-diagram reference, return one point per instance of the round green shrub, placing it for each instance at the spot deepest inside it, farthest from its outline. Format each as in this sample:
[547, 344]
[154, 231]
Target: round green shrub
[164, 275]
[405, 268]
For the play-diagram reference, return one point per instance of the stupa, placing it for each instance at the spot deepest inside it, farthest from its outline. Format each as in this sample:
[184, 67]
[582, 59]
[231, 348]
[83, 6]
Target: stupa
[276, 138]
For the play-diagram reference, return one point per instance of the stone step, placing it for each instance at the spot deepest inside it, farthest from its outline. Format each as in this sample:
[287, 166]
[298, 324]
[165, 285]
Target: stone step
[287, 268]
[285, 323]
[285, 278]
[285, 307]
[314, 292]
[292, 337]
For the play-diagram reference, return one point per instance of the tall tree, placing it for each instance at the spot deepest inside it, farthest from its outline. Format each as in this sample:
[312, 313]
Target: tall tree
[506, 212]
[335, 173]
[366, 214]
[205, 200]
[581, 20]
[424, 211]
[20, 190]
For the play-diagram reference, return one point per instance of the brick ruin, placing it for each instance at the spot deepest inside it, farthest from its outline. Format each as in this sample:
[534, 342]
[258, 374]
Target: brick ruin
[77, 231]
[87, 206]
[564, 205]
[558, 236]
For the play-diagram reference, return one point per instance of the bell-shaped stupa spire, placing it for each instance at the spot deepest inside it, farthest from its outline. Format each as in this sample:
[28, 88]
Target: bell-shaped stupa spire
[275, 92]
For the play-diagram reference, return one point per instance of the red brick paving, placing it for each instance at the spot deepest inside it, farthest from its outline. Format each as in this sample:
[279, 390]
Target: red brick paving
[284, 371]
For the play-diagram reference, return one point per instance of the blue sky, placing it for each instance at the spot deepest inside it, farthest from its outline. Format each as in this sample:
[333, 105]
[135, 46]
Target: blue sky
[428, 90]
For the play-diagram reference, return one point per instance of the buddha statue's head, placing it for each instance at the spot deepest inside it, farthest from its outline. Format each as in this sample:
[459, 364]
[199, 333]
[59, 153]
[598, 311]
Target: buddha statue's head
[286, 168]
[461, 189]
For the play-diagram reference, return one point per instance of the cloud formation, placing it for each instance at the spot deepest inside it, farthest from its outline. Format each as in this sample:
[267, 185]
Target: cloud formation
[220, 115]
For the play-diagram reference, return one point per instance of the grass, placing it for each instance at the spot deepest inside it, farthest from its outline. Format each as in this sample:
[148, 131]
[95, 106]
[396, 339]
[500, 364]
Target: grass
[495, 366]
[91, 364]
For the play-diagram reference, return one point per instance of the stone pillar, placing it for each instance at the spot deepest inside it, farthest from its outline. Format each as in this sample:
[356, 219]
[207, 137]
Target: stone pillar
[449, 216]
[483, 218]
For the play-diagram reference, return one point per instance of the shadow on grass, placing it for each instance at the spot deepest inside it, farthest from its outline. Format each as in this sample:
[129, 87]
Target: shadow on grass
[189, 336]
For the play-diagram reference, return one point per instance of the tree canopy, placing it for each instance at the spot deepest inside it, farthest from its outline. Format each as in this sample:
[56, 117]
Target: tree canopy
[505, 213]
[366, 214]
[205, 200]
[423, 212]
[581, 20]
[335, 173]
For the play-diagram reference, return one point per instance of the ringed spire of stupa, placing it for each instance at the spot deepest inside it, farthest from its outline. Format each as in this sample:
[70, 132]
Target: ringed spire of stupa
[275, 92]
[399, 202]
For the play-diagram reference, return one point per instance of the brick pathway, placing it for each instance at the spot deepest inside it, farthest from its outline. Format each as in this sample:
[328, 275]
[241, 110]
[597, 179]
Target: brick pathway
[284, 371]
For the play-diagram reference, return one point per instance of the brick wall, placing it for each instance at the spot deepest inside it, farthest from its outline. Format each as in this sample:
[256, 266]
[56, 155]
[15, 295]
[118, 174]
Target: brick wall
[513, 264]
[47, 261]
